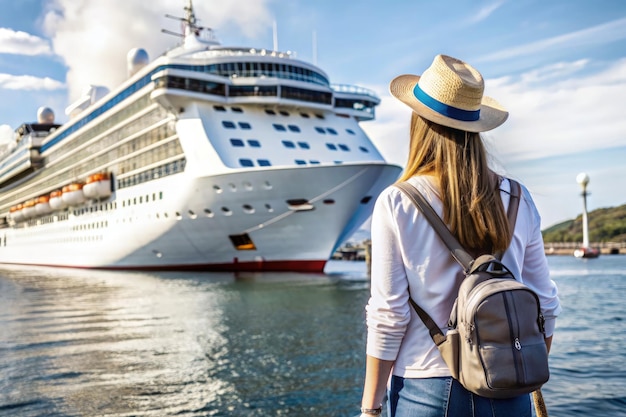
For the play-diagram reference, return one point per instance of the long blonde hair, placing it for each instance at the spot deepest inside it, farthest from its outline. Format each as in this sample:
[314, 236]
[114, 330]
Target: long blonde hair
[472, 206]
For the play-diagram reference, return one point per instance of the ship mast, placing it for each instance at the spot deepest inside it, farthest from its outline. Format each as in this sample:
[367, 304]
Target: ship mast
[193, 34]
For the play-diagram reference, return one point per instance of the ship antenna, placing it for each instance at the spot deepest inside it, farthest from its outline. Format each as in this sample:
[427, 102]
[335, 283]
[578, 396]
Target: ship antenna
[275, 33]
[190, 23]
[314, 48]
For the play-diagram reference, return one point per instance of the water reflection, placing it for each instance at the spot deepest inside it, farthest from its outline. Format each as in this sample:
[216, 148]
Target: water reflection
[85, 343]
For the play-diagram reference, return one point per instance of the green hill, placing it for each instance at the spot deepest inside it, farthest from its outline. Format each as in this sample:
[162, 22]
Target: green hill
[605, 225]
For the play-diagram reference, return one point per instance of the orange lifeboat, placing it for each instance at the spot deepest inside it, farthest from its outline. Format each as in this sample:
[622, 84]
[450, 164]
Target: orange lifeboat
[16, 213]
[28, 209]
[42, 205]
[73, 194]
[56, 200]
[98, 185]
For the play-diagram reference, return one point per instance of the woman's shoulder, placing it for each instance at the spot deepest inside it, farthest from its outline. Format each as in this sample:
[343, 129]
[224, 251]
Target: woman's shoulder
[526, 200]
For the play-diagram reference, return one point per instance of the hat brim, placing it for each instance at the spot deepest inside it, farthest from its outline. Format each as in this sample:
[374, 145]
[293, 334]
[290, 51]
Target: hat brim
[492, 114]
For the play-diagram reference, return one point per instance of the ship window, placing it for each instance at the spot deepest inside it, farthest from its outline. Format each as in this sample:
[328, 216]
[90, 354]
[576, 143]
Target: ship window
[305, 115]
[329, 201]
[269, 208]
[227, 124]
[245, 125]
[331, 131]
[304, 145]
[363, 149]
[246, 163]
[300, 162]
[314, 162]
[299, 204]
[294, 128]
[242, 242]
[270, 112]
[331, 146]
[284, 113]
[319, 116]
[279, 127]
[226, 211]
[237, 110]
[343, 147]
[248, 208]
[219, 108]
[208, 212]
[320, 130]
[237, 142]
[288, 144]
[350, 131]
[264, 162]
[254, 143]
[366, 199]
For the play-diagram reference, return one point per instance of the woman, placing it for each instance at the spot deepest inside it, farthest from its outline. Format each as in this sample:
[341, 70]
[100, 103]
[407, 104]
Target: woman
[448, 164]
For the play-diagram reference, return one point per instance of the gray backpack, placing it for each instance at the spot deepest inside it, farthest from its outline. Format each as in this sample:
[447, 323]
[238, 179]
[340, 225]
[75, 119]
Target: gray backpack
[495, 343]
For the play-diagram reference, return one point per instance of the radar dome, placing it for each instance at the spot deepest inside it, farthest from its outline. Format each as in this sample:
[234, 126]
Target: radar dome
[136, 59]
[45, 115]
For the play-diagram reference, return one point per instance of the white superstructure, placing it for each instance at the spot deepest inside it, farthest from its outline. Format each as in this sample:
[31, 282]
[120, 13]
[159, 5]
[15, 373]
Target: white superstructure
[207, 157]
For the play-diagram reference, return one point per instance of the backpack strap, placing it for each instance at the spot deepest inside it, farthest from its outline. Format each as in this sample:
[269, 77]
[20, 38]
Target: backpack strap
[511, 212]
[456, 250]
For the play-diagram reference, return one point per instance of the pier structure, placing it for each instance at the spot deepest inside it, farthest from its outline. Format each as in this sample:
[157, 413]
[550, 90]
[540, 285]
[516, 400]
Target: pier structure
[585, 251]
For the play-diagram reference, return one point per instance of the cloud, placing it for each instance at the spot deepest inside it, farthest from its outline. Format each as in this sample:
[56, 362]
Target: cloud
[93, 38]
[6, 135]
[571, 113]
[595, 35]
[485, 12]
[22, 43]
[554, 110]
[28, 82]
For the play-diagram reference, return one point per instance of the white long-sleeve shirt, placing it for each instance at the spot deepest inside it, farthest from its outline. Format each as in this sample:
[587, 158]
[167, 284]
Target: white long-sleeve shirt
[408, 256]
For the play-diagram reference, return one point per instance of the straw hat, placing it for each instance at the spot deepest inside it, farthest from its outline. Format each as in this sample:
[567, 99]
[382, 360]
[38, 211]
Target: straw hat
[450, 93]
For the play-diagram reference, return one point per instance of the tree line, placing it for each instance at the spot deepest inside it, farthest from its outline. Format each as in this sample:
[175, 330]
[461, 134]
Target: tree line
[605, 225]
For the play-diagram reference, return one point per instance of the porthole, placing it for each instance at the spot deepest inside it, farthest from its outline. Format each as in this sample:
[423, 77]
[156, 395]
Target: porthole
[208, 212]
[192, 214]
[247, 186]
[233, 187]
[329, 201]
[218, 189]
[269, 208]
[248, 208]
[178, 216]
[267, 185]
[226, 211]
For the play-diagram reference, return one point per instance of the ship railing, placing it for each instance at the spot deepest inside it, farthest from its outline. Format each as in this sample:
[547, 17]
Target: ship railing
[229, 51]
[354, 89]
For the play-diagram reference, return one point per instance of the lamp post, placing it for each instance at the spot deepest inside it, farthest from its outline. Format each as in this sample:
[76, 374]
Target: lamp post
[585, 251]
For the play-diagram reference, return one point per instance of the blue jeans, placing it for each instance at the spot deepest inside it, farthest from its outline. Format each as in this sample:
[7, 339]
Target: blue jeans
[446, 397]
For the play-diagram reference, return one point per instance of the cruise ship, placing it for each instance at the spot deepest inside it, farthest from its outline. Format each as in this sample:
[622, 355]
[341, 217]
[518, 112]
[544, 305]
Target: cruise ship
[207, 157]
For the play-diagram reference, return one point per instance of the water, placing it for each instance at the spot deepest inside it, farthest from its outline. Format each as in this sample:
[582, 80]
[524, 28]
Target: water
[96, 343]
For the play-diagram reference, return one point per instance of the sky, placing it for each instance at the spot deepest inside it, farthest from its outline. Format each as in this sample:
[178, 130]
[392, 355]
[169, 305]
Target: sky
[558, 67]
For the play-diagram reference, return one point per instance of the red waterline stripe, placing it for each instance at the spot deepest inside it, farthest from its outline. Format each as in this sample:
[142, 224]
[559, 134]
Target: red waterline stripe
[253, 266]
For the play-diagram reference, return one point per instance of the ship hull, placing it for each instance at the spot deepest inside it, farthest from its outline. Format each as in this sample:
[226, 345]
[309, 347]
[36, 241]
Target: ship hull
[185, 222]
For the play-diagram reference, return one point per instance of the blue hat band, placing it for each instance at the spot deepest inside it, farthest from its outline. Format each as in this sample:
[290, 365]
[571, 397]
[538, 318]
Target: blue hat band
[444, 109]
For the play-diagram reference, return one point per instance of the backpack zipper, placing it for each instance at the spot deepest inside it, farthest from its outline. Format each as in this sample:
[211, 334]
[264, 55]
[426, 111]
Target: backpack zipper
[516, 349]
